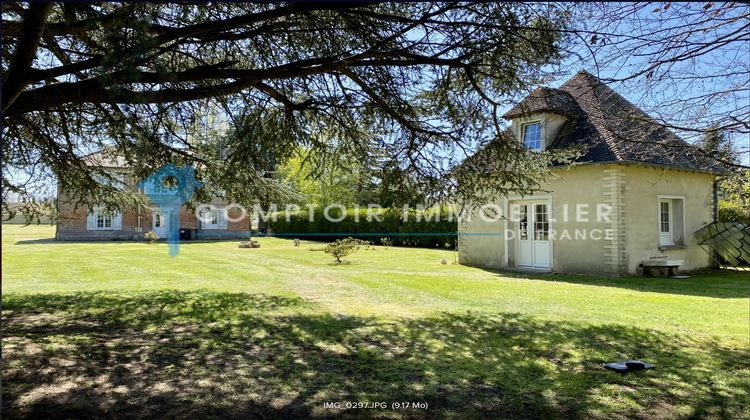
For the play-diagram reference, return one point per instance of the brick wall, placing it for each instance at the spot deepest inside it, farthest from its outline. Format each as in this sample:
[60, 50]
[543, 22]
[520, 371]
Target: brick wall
[72, 225]
[239, 229]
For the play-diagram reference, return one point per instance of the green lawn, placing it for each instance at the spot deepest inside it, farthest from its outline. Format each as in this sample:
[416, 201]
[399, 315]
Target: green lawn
[122, 329]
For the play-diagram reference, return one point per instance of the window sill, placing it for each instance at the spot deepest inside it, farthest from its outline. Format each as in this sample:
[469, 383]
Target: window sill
[670, 247]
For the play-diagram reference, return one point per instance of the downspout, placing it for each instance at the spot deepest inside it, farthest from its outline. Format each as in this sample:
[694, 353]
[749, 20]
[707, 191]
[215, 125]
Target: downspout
[715, 209]
[715, 216]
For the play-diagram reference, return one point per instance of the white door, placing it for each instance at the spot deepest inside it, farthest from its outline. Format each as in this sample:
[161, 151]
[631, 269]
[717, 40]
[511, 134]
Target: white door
[666, 237]
[541, 235]
[525, 246]
[533, 235]
[160, 224]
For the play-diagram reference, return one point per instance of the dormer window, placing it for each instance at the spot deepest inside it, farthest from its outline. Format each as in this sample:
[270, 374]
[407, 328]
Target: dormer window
[532, 136]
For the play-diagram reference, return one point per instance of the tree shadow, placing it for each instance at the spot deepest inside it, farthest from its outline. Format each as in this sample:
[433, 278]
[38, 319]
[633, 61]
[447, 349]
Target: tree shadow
[207, 354]
[36, 241]
[53, 241]
[719, 284]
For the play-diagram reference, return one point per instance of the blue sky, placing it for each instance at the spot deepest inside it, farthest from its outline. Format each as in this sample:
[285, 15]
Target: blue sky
[678, 97]
[650, 94]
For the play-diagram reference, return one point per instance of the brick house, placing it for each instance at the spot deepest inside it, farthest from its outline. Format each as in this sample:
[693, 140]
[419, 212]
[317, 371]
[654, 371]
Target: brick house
[90, 222]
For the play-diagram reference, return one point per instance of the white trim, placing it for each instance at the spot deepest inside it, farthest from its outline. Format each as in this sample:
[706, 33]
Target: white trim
[531, 197]
[659, 199]
[117, 181]
[672, 197]
[551, 242]
[505, 229]
[164, 218]
[93, 216]
[547, 198]
[221, 220]
[541, 134]
[666, 208]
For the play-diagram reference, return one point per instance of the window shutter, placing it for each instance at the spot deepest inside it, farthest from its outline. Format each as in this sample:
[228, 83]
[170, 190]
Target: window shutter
[117, 221]
[222, 219]
[91, 219]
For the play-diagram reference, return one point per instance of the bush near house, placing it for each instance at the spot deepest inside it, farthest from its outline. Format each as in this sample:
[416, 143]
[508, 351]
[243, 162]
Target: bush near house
[420, 229]
[735, 205]
[730, 211]
[151, 236]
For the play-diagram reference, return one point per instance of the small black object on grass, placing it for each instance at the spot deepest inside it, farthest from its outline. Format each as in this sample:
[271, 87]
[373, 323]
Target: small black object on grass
[628, 366]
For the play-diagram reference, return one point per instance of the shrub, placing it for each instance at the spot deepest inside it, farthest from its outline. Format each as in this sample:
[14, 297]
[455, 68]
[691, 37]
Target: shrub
[423, 233]
[386, 242]
[733, 212]
[344, 247]
[151, 236]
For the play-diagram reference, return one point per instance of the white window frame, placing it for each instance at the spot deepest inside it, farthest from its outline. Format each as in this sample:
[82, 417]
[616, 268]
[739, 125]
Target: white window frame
[97, 212]
[523, 222]
[117, 179]
[667, 238]
[543, 233]
[218, 217]
[524, 126]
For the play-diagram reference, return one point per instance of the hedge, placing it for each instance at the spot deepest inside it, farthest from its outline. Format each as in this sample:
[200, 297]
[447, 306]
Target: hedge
[733, 212]
[435, 232]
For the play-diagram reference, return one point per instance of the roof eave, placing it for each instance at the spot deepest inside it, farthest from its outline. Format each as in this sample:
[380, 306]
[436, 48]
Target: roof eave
[649, 164]
[510, 116]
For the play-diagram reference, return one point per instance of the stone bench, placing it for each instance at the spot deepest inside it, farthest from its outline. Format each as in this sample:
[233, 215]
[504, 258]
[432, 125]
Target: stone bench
[661, 267]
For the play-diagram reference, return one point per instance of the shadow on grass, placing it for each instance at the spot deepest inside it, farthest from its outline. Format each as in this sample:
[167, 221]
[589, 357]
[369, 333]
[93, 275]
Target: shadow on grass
[206, 354]
[54, 241]
[37, 241]
[719, 284]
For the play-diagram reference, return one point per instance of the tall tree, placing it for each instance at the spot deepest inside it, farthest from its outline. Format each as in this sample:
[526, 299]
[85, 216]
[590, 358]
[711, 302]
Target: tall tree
[420, 80]
[321, 181]
[716, 143]
[398, 187]
[686, 63]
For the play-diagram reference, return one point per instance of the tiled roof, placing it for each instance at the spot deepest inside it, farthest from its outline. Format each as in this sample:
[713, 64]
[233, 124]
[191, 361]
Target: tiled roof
[610, 127]
[544, 99]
